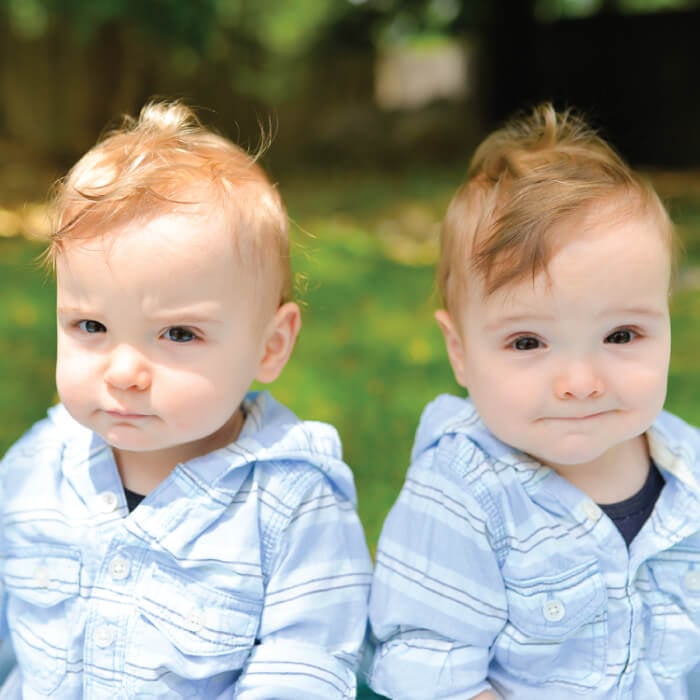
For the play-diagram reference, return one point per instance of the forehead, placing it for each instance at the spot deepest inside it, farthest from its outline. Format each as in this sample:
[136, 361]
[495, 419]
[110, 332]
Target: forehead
[625, 219]
[188, 229]
[599, 259]
[163, 249]
[624, 225]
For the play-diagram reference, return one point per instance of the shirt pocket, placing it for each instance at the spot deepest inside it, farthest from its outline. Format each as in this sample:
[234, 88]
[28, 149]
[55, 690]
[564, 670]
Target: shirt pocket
[43, 586]
[189, 628]
[672, 597]
[556, 631]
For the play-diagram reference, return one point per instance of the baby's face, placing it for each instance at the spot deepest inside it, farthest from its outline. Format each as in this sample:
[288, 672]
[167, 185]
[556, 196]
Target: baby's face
[574, 365]
[160, 334]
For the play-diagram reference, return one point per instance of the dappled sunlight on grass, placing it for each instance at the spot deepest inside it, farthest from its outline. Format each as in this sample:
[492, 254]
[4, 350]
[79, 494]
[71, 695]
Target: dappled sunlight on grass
[22, 313]
[29, 220]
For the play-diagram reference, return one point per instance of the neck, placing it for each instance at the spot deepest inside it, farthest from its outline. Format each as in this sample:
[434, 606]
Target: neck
[615, 475]
[142, 471]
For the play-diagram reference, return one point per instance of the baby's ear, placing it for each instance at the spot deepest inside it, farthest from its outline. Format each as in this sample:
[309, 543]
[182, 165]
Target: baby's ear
[454, 345]
[280, 336]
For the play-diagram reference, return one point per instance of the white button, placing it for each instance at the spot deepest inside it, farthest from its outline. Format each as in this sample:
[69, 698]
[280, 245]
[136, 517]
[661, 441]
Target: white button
[553, 610]
[108, 501]
[692, 580]
[591, 511]
[104, 636]
[195, 620]
[119, 568]
[42, 579]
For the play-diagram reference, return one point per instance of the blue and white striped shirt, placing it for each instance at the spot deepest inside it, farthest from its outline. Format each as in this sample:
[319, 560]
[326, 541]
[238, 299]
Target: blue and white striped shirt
[493, 572]
[245, 574]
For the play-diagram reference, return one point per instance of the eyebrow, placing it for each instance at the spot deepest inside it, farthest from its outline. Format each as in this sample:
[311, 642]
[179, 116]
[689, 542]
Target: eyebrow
[179, 316]
[637, 311]
[525, 318]
[182, 317]
[70, 310]
[517, 319]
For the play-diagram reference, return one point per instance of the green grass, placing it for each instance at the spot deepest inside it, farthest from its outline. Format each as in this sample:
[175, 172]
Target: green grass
[27, 339]
[370, 355]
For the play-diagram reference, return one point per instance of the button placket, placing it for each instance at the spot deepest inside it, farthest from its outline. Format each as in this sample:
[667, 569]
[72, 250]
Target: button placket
[108, 501]
[104, 636]
[592, 511]
[119, 568]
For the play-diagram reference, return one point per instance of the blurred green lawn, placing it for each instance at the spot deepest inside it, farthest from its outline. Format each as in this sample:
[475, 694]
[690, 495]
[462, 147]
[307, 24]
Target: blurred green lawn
[370, 355]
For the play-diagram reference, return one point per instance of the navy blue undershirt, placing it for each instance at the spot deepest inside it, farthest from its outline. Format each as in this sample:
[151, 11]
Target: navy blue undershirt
[630, 515]
[132, 499]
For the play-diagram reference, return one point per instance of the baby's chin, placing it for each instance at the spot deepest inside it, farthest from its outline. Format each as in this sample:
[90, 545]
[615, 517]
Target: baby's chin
[576, 456]
[587, 456]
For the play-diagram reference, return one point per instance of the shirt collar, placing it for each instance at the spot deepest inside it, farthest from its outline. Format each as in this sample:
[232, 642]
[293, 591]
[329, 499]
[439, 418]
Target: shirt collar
[674, 446]
[270, 433]
[453, 415]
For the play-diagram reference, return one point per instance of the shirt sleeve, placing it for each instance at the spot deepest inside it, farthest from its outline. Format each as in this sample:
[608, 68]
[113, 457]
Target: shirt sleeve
[314, 617]
[438, 598]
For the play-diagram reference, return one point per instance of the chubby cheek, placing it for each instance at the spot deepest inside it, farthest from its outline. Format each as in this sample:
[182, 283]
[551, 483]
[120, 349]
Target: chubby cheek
[648, 392]
[73, 384]
[499, 387]
[195, 402]
[644, 382]
[500, 400]
[506, 401]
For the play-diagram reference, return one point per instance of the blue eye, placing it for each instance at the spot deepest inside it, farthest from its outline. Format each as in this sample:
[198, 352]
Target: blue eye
[526, 342]
[178, 334]
[90, 326]
[620, 337]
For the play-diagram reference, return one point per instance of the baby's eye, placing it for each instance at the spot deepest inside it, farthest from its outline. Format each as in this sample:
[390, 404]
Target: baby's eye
[526, 342]
[619, 337]
[90, 326]
[178, 334]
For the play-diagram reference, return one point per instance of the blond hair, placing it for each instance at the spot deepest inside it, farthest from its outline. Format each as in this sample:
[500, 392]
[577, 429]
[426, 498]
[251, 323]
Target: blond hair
[164, 161]
[524, 179]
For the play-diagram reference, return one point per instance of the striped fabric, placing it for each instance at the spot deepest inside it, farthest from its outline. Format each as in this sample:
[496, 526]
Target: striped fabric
[493, 572]
[245, 574]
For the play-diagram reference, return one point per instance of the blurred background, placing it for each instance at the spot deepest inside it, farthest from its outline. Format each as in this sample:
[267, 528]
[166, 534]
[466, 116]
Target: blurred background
[374, 108]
